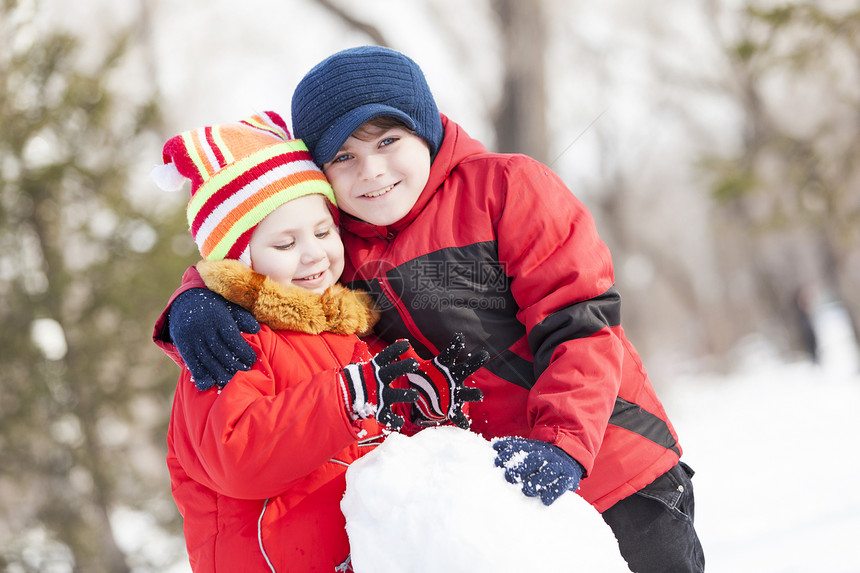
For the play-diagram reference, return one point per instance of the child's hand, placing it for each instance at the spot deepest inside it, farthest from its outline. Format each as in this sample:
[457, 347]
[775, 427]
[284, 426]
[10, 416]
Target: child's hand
[543, 469]
[441, 385]
[206, 330]
[368, 384]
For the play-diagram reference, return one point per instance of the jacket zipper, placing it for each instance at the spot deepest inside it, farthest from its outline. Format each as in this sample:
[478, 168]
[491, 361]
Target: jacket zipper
[405, 316]
[260, 536]
[370, 442]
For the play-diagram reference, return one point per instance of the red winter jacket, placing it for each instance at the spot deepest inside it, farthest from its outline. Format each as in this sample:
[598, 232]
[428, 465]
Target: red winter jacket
[257, 469]
[498, 248]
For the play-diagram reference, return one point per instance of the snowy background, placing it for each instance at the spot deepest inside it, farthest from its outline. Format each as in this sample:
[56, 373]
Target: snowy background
[774, 444]
[775, 448]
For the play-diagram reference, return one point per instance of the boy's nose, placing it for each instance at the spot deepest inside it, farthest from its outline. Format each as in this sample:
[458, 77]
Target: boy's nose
[372, 166]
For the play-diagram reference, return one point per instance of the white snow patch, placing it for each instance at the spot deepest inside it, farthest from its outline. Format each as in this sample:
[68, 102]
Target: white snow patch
[436, 502]
[775, 454]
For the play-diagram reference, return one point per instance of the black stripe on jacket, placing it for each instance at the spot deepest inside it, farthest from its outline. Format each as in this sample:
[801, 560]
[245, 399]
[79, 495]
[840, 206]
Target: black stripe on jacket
[633, 417]
[456, 289]
[582, 320]
[579, 320]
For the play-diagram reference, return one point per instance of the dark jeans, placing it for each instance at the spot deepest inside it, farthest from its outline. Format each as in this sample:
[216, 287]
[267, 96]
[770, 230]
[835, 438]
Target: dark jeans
[654, 526]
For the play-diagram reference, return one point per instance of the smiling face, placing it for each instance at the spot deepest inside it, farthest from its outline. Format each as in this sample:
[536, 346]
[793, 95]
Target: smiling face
[298, 245]
[379, 173]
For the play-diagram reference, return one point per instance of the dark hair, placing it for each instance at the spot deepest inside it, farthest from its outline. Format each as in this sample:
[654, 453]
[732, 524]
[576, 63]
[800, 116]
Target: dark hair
[377, 125]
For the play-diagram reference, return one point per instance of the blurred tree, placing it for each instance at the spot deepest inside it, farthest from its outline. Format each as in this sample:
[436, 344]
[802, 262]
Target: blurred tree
[519, 120]
[521, 117]
[372, 32]
[85, 263]
[788, 211]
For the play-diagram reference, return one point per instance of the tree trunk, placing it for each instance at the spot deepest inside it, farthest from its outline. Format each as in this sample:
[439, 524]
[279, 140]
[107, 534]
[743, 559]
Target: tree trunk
[520, 120]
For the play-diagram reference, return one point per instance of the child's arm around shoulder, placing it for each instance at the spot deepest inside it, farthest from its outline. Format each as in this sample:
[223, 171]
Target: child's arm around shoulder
[201, 330]
[160, 335]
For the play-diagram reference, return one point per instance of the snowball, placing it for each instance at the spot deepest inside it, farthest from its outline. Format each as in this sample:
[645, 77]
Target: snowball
[435, 502]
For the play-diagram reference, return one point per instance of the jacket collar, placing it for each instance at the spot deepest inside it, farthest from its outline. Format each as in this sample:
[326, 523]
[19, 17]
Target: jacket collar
[337, 310]
[456, 146]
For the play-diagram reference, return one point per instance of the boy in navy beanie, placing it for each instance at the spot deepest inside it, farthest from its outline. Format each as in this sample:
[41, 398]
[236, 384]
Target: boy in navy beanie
[449, 237]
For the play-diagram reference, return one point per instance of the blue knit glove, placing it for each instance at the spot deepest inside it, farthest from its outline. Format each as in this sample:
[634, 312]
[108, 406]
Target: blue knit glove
[543, 469]
[206, 329]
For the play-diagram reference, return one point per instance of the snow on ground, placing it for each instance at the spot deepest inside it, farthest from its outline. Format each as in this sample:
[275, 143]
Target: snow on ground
[776, 448]
[777, 456]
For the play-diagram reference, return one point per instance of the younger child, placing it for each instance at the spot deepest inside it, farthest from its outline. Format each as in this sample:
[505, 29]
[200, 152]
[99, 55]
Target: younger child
[447, 237]
[257, 467]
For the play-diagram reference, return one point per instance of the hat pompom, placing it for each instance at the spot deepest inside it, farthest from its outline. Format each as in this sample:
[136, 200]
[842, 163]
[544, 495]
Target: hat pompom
[167, 177]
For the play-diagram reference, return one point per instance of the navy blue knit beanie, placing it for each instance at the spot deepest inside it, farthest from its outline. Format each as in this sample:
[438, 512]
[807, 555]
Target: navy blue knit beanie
[351, 87]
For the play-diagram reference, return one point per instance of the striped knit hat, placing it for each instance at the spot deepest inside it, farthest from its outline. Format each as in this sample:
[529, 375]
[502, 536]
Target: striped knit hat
[240, 172]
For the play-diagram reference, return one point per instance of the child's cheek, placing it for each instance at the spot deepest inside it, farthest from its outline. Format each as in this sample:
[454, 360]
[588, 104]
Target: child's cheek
[344, 200]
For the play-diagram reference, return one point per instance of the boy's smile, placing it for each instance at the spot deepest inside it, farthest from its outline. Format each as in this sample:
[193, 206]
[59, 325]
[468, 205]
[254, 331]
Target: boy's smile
[378, 174]
[380, 193]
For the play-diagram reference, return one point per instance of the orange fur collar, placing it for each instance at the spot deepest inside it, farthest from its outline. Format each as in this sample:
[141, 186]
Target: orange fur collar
[337, 310]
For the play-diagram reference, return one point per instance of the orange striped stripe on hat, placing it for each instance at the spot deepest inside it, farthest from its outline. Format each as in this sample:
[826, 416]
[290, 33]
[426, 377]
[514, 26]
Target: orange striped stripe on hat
[240, 172]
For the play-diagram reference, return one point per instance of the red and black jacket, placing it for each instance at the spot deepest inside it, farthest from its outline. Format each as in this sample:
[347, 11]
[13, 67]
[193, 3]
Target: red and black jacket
[498, 248]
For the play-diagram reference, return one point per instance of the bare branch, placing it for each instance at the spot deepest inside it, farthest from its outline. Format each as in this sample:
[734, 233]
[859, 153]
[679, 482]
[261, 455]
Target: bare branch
[365, 28]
